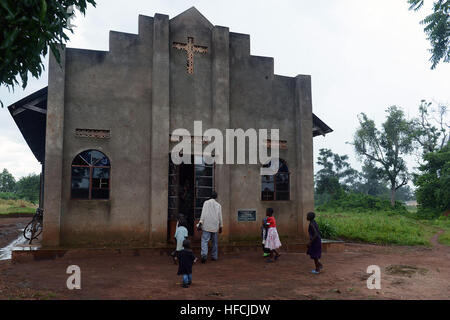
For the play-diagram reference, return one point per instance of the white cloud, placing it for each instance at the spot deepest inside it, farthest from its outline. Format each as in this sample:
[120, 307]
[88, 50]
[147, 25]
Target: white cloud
[17, 158]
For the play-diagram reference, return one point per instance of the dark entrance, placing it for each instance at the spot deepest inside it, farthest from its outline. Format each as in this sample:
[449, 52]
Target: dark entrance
[189, 186]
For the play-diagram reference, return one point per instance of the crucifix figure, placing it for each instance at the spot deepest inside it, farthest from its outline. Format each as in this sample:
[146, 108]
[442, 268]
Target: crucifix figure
[190, 49]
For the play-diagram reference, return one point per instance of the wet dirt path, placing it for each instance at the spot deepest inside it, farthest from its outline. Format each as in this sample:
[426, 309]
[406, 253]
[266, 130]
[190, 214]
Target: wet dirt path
[406, 273]
[11, 235]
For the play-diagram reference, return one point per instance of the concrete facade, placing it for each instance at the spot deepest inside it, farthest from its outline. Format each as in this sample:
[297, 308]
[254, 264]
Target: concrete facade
[140, 91]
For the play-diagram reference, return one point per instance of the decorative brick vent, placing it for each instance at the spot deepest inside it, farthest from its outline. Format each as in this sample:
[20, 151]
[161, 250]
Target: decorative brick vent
[92, 133]
[282, 144]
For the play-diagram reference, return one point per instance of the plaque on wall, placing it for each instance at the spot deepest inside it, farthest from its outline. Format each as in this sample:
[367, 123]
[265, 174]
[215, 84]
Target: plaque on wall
[245, 215]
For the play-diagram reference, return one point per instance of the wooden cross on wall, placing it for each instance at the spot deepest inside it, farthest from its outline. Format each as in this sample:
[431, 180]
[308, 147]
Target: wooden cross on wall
[190, 49]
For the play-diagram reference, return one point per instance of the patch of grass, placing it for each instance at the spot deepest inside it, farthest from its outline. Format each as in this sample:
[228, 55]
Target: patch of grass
[444, 238]
[379, 227]
[411, 209]
[16, 206]
[442, 223]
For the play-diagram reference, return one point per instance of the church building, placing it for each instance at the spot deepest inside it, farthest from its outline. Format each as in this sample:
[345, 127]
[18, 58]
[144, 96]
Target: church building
[102, 131]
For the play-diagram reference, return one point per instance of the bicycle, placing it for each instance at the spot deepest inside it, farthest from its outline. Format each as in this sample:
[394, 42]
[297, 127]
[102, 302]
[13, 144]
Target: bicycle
[34, 227]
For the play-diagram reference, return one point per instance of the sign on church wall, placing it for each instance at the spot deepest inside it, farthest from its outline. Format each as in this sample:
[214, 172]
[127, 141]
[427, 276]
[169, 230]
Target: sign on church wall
[246, 215]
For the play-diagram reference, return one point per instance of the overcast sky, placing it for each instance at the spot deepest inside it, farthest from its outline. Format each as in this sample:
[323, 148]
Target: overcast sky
[363, 56]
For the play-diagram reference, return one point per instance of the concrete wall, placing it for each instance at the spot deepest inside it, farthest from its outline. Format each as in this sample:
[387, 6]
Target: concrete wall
[255, 90]
[111, 91]
[140, 90]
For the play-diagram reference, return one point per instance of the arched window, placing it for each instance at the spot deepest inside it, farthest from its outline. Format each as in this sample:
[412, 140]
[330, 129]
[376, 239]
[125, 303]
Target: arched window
[276, 187]
[90, 175]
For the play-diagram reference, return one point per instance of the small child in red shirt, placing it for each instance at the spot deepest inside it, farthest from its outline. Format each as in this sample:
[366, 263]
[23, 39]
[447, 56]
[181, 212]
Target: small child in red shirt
[272, 241]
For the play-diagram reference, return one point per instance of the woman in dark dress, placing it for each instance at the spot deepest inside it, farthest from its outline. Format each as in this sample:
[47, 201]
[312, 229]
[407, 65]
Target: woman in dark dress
[315, 243]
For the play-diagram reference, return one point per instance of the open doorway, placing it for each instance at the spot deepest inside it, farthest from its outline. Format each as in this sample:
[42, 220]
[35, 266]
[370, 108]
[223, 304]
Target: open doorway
[190, 185]
[186, 195]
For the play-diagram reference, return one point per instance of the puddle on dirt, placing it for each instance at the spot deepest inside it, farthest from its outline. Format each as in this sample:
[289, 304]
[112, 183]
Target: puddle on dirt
[404, 270]
[5, 252]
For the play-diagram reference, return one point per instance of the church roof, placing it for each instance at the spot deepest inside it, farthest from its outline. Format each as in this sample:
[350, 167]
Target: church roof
[30, 115]
[194, 15]
[320, 127]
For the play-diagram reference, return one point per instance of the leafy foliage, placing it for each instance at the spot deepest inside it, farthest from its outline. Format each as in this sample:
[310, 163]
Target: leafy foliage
[327, 230]
[380, 227]
[433, 184]
[27, 29]
[8, 196]
[7, 181]
[437, 28]
[405, 193]
[336, 174]
[358, 202]
[370, 181]
[384, 148]
[429, 130]
[28, 188]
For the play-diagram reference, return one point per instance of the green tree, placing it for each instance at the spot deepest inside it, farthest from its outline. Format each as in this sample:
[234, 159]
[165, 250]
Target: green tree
[437, 28]
[433, 184]
[336, 174]
[7, 182]
[429, 129]
[405, 193]
[371, 181]
[27, 29]
[28, 188]
[386, 147]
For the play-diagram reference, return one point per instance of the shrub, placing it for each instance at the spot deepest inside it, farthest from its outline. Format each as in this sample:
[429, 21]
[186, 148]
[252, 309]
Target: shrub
[327, 230]
[427, 213]
[8, 196]
[433, 183]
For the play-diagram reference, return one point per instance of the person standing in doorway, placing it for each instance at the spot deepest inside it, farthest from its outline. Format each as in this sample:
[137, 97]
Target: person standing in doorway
[211, 224]
[187, 203]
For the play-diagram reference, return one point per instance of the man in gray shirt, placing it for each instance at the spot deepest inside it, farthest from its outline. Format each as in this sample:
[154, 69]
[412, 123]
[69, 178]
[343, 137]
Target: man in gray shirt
[211, 224]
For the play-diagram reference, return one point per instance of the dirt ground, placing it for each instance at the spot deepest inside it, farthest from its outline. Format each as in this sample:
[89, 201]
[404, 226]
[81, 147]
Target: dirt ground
[406, 273]
[10, 229]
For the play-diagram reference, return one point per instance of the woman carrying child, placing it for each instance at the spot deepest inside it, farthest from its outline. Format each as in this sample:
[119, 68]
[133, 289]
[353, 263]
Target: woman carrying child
[272, 240]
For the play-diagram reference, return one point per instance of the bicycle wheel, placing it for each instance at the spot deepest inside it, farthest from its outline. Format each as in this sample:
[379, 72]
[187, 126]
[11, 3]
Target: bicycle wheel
[28, 231]
[37, 229]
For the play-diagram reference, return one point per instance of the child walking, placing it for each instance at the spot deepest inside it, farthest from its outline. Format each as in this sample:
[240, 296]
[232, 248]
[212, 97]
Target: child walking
[186, 260]
[266, 252]
[315, 243]
[181, 234]
[272, 241]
